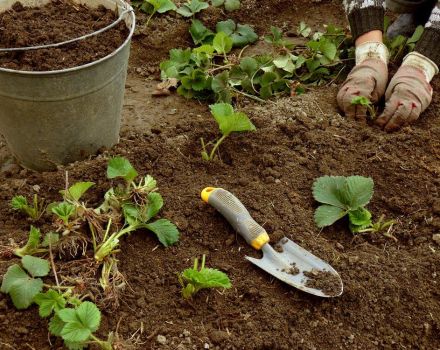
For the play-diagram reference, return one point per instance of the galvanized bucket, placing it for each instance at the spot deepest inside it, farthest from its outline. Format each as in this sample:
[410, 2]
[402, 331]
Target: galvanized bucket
[57, 117]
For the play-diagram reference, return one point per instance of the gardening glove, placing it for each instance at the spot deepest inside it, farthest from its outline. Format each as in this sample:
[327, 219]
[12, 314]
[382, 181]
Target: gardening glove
[409, 92]
[368, 79]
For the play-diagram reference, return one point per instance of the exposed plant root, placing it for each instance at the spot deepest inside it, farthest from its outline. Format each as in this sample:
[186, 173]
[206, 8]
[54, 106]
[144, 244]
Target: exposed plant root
[72, 246]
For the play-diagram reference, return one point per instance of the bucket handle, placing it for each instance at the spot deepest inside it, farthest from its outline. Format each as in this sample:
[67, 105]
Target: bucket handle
[115, 23]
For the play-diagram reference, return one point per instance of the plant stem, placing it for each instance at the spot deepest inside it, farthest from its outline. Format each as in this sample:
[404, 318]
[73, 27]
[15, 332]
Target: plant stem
[218, 143]
[149, 18]
[58, 287]
[250, 96]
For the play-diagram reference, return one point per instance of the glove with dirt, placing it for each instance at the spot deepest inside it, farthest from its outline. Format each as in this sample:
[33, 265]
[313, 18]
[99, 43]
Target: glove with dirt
[368, 79]
[409, 92]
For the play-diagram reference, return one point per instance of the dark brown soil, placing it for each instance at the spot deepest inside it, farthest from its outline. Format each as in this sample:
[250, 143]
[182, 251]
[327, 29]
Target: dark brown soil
[324, 281]
[391, 296]
[59, 21]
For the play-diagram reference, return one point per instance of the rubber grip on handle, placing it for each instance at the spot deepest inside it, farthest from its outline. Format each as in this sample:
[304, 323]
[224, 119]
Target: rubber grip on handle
[237, 215]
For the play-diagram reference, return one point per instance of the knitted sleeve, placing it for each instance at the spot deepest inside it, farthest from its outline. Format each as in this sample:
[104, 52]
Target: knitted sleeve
[428, 44]
[365, 15]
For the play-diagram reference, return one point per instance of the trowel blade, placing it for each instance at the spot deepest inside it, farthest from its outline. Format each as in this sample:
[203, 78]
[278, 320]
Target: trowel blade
[291, 255]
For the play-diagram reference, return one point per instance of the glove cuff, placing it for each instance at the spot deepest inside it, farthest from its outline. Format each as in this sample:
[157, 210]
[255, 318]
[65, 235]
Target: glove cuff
[423, 63]
[372, 50]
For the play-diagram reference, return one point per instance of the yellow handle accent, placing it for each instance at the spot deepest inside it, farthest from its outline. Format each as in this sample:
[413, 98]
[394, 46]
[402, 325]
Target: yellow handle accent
[206, 193]
[260, 241]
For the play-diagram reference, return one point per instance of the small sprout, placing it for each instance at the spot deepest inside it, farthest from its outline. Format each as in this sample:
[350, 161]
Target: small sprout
[193, 279]
[304, 30]
[33, 244]
[229, 121]
[76, 191]
[34, 211]
[365, 102]
[64, 211]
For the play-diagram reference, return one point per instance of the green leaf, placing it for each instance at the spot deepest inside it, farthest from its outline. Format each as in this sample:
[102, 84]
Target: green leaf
[217, 3]
[76, 191]
[51, 238]
[207, 278]
[232, 5]
[80, 323]
[192, 7]
[76, 345]
[327, 190]
[37, 267]
[241, 35]
[328, 49]
[326, 215]
[19, 202]
[360, 217]
[20, 286]
[249, 65]
[359, 191]
[165, 231]
[199, 32]
[162, 6]
[64, 211]
[304, 30]
[32, 244]
[361, 100]
[155, 204]
[220, 86]
[230, 121]
[121, 167]
[285, 62]
[416, 35]
[222, 43]
[56, 325]
[228, 27]
[49, 302]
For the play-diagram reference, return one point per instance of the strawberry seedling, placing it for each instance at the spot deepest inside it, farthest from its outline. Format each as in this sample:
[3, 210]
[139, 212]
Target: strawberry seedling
[34, 211]
[139, 203]
[34, 245]
[230, 5]
[228, 121]
[190, 8]
[151, 7]
[194, 279]
[346, 196]
[364, 102]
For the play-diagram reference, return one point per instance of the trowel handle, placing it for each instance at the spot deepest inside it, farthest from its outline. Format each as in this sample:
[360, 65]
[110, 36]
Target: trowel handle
[237, 215]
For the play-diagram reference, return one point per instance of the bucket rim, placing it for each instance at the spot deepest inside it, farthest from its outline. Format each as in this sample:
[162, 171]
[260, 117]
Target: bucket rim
[84, 66]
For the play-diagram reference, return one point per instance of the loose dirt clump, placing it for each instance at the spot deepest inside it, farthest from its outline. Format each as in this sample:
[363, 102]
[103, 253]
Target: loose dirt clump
[324, 281]
[30, 26]
[292, 270]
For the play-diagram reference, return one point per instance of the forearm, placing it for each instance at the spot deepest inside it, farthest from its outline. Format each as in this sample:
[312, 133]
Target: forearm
[428, 44]
[365, 16]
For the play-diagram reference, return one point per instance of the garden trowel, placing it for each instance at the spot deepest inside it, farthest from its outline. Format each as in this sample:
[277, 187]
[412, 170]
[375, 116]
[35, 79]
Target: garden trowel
[290, 263]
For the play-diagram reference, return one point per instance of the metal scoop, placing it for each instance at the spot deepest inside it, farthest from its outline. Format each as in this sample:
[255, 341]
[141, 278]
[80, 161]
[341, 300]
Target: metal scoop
[289, 262]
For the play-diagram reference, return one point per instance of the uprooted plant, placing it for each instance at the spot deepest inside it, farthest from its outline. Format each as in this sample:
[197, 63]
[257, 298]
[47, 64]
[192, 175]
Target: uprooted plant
[129, 206]
[71, 318]
[194, 279]
[364, 102]
[341, 196]
[229, 121]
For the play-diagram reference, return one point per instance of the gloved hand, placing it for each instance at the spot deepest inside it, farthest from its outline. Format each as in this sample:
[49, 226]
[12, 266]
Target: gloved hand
[367, 79]
[409, 92]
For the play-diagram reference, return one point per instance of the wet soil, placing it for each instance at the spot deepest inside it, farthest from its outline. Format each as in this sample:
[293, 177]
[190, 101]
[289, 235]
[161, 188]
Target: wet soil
[391, 296]
[324, 281]
[58, 21]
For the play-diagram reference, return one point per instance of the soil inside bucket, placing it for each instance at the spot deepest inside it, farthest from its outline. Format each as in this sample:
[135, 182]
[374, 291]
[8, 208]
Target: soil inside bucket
[58, 21]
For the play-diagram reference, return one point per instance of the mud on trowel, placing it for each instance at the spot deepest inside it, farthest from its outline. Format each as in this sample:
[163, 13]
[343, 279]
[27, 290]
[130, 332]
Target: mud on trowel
[278, 264]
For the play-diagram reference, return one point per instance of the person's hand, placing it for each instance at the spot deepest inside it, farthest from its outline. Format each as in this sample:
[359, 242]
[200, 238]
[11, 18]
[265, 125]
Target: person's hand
[407, 96]
[367, 79]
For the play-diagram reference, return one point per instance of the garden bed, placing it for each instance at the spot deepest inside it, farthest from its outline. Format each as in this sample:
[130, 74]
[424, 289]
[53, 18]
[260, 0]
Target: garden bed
[391, 292]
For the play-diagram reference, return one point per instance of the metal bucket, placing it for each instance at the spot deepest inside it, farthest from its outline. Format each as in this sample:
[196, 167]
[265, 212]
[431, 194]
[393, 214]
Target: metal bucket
[57, 117]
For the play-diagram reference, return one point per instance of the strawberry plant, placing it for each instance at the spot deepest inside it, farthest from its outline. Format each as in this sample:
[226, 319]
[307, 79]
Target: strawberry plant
[190, 8]
[230, 5]
[75, 324]
[346, 196]
[139, 203]
[228, 121]
[151, 7]
[194, 279]
[34, 211]
[35, 245]
[364, 102]
[214, 71]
